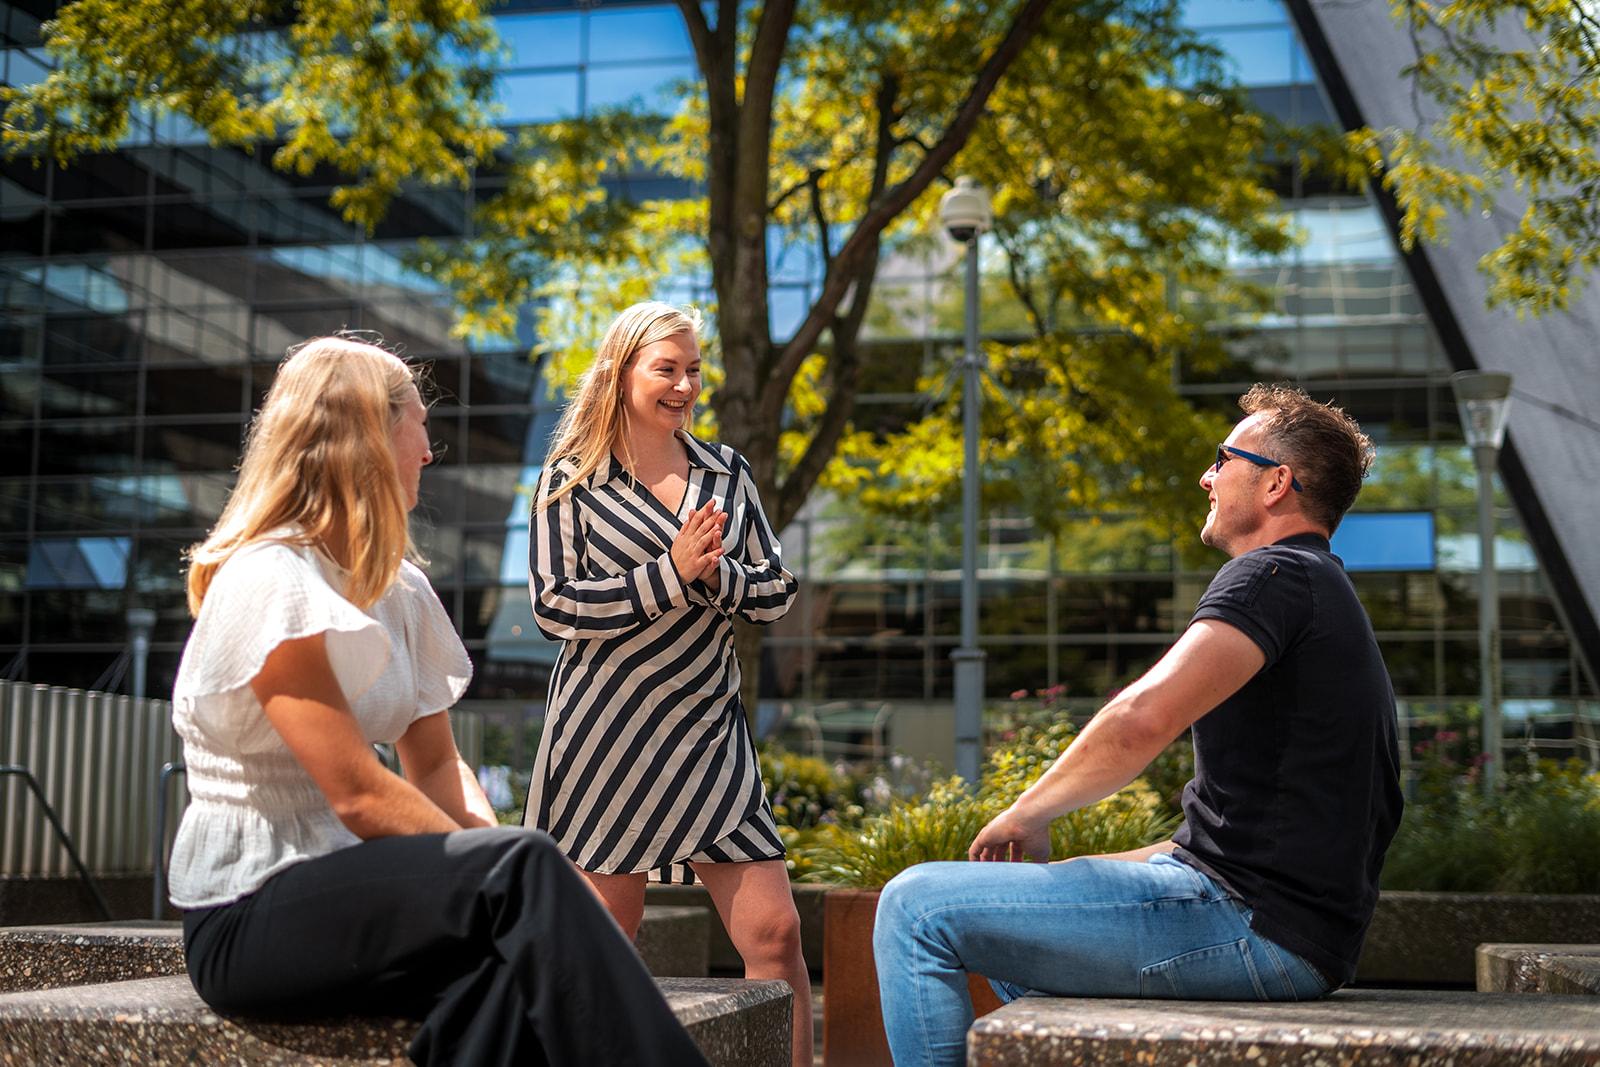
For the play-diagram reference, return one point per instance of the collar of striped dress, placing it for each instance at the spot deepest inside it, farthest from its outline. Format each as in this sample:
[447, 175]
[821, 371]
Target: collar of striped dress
[700, 455]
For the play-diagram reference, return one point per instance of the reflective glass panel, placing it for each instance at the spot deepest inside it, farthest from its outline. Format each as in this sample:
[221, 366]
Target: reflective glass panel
[539, 40]
[638, 33]
[660, 88]
[530, 98]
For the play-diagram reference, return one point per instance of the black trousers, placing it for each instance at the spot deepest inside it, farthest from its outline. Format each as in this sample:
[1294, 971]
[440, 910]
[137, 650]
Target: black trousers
[489, 936]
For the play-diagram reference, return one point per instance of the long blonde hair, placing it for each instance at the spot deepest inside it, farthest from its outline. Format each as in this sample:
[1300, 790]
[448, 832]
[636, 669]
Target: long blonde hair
[318, 458]
[594, 421]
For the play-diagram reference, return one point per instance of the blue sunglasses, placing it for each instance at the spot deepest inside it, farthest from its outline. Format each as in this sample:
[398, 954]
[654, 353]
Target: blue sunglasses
[1227, 452]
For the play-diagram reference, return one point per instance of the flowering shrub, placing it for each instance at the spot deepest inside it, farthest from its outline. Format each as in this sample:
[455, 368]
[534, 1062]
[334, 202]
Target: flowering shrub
[941, 824]
[806, 791]
[1045, 709]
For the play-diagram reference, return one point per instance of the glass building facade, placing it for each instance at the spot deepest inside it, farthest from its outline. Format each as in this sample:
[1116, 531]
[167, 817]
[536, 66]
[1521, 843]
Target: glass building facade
[147, 294]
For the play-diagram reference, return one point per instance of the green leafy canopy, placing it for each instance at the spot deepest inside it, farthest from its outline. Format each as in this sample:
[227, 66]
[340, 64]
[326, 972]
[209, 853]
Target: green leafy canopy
[1524, 117]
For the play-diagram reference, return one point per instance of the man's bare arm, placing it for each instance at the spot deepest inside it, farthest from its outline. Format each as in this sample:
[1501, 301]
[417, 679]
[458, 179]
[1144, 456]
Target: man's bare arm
[1209, 663]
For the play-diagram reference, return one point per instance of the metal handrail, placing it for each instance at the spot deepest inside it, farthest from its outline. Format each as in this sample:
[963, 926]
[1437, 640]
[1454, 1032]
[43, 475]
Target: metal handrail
[61, 834]
[158, 839]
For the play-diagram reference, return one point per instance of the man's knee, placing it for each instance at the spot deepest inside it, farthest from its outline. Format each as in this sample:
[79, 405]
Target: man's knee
[904, 900]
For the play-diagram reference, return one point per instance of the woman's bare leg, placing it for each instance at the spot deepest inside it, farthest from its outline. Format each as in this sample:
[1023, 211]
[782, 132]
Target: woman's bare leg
[623, 896]
[757, 908]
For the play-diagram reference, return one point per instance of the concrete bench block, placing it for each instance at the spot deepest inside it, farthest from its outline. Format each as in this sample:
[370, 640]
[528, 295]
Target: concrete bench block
[1431, 938]
[45, 957]
[1577, 975]
[673, 941]
[1522, 968]
[1403, 1028]
[157, 1021]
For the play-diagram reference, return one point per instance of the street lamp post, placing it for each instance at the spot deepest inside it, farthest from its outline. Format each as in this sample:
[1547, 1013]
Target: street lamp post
[965, 214]
[1482, 398]
[140, 622]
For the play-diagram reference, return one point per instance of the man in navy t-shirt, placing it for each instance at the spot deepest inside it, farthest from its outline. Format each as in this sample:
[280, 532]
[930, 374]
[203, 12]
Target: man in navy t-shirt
[1266, 890]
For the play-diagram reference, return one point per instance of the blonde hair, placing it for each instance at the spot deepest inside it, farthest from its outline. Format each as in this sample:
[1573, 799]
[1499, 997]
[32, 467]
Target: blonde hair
[318, 458]
[593, 422]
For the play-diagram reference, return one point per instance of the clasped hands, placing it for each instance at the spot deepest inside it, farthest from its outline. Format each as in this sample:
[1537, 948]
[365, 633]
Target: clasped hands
[698, 547]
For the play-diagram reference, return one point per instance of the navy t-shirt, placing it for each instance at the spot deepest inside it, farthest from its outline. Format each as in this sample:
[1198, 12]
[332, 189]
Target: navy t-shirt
[1296, 790]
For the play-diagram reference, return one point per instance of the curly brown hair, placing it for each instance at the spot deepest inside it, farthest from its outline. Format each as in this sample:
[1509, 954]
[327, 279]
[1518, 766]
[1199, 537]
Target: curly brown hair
[1320, 442]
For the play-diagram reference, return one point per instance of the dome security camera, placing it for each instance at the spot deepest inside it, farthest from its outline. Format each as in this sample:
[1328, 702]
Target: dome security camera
[964, 211]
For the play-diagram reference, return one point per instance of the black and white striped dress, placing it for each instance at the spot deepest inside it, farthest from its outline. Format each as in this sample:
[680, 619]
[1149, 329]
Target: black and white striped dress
[646, 763]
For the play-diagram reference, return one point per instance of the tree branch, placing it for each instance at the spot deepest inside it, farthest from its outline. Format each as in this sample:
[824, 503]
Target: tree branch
[892, 203]
[819, 213]
[1021, 287]
[792, 491]
[755, 111]
[699, 35]
[811, 177]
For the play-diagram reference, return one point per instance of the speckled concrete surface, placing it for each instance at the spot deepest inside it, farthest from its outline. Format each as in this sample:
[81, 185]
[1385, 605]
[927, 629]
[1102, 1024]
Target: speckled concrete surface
[674, 941]
[736, 1023]
[1430, 938]
[160, 1021]
[46, 957]
[1404, 1028]
[1579, 975]
[1521, 968]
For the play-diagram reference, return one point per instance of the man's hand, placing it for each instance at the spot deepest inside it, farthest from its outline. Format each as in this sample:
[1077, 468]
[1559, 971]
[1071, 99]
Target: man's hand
[1011, 836]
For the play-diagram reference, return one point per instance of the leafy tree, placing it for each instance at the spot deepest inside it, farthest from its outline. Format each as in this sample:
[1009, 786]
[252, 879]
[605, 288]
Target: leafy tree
[1124, 176]
[1527, 117]
[1124, 172]
[382, 93]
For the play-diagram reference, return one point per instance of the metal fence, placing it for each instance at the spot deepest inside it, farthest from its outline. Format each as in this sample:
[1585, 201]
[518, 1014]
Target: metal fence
[98, 759]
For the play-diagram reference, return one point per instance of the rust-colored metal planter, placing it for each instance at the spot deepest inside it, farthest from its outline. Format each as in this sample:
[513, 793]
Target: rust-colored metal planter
[852, 1020]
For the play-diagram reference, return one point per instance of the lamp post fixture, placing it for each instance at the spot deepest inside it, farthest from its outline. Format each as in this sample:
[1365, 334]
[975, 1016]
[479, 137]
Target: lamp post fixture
[965, 214]
[1482, 399]
[140, 622]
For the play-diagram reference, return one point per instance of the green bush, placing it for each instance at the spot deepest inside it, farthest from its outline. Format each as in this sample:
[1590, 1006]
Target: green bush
[1540, 834]
[1042, 711]
[941, 824]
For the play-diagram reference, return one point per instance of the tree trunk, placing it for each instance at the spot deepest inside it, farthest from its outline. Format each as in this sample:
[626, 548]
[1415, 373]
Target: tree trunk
[739, 427]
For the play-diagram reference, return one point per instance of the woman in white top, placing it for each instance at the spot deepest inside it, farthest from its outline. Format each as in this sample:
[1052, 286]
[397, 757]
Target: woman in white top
[314, 881]
[645, 545]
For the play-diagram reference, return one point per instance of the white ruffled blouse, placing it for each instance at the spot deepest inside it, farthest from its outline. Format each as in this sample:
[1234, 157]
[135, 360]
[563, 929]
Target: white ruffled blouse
[253, 809]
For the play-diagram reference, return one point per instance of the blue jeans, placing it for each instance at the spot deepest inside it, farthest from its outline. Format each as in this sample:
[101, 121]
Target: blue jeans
[1088, 927]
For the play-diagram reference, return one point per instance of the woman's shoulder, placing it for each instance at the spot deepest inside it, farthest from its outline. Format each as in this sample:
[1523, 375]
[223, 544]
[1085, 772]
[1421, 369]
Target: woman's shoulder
[412, 581]
[268, 556]
[558, 472]
[714, 453]
[269, 568]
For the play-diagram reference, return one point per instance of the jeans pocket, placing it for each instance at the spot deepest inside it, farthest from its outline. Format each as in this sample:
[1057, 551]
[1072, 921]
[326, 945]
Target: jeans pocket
[1300, 980]
[1221, 972]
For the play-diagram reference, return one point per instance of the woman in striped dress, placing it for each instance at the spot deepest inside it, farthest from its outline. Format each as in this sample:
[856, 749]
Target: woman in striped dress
[645, 544]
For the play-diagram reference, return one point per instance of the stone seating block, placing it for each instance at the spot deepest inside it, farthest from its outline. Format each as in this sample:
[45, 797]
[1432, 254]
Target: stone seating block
[1402, 1028]
[1519, 968]
[157, 1021]
[1430, 939]
[1578, 975]
[673, 941]
[46, 957]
